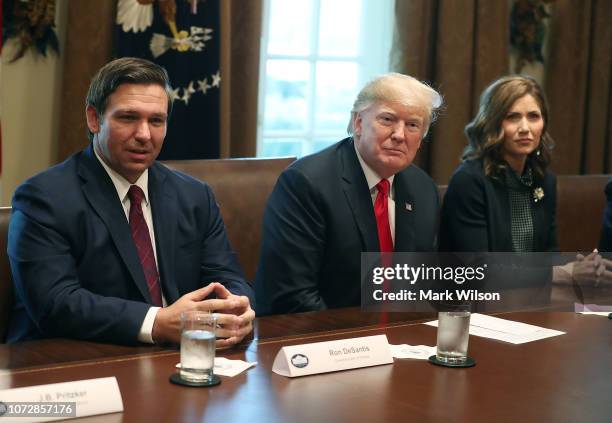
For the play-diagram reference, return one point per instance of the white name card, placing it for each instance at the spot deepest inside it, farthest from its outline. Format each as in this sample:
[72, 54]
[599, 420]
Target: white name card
[323, 357]
[59, 401]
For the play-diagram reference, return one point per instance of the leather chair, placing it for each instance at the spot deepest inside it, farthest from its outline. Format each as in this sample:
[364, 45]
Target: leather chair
[6, 280]
[580, 206]
[242, 188]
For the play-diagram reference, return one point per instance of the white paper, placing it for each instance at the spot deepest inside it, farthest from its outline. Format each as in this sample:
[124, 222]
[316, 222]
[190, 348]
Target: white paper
[92, 397]
[596, 313]
[231, 368]
[505, 330]
[419, 352]
[331, 356]
[226, 367]
[592, 308]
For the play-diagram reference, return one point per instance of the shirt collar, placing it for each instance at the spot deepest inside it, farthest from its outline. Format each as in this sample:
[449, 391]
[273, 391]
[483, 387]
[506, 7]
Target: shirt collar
[122, 185]
[371, 176]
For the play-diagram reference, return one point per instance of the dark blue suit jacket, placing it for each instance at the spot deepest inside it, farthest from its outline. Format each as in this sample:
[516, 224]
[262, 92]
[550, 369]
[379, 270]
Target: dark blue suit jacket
[476, 213]
[605, 240]
[75, 267]
[319, 219]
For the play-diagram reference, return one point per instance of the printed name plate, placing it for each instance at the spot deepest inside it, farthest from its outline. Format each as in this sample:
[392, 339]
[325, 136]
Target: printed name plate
[59, 401]
[323, 357]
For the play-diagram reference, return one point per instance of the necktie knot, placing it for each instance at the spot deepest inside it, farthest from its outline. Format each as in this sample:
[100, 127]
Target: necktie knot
[135, 194]
[383, 187]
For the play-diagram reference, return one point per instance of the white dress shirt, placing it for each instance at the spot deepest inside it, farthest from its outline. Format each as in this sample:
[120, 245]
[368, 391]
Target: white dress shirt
[373, 178]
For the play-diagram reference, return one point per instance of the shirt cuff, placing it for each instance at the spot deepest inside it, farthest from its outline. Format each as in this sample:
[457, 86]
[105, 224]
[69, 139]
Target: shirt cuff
[146, 330]
[564, 274]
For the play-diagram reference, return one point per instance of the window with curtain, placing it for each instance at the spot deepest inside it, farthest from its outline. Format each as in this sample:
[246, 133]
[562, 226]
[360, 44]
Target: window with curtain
[316, 55]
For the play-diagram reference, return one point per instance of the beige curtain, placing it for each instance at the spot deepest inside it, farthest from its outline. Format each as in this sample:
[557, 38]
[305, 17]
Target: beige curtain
[579, 86]
[459, 47]
[89, 38]
[462, 45]
[240, 43]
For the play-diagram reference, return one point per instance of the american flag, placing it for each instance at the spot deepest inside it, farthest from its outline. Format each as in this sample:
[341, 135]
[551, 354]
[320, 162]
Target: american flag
[183, 37]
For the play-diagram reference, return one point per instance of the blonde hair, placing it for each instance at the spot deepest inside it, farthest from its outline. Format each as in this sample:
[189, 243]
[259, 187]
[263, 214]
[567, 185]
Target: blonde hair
[397, 88]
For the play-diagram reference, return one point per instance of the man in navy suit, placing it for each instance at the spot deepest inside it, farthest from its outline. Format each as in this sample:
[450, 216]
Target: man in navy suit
[99, 243]
[321, 214]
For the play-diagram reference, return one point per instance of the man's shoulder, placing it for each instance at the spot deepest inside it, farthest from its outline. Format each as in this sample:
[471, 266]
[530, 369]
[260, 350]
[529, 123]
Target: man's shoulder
[59, 177]
[321, 161]
[415, 173]
[320, 169]
[418, 180]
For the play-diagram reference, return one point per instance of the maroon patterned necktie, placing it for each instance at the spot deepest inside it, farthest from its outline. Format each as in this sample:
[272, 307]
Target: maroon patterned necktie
[140, 234]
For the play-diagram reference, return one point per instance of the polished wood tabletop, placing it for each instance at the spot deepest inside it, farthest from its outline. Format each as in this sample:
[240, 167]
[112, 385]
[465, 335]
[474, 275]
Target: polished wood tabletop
[564, 378]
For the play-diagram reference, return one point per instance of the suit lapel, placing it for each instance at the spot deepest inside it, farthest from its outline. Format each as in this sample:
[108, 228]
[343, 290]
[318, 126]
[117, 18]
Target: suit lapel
[358, 196]
[102, 195]
[404, 214]
[165, 212]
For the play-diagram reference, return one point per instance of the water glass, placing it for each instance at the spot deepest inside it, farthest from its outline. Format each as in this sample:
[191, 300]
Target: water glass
[453, 336]
[197, 345]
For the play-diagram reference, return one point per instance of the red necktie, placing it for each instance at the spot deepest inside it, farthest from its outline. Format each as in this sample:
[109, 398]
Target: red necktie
[381, 210]
[140, 234]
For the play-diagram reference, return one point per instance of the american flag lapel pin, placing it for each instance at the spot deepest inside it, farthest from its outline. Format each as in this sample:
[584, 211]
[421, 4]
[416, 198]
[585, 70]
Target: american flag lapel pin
[408, 206]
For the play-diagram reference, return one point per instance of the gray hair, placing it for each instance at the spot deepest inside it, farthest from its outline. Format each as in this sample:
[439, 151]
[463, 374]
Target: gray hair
[398, 88]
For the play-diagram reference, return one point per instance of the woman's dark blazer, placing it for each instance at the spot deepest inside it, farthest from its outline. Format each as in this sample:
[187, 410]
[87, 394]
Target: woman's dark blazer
[476, 213]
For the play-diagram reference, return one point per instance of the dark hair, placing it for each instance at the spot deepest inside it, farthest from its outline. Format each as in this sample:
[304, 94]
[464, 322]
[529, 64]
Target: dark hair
[126, 70]
[485, 134]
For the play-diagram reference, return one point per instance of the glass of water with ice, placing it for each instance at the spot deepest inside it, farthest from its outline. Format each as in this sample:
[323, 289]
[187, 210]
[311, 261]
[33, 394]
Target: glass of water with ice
[197, 346]
[453, 336]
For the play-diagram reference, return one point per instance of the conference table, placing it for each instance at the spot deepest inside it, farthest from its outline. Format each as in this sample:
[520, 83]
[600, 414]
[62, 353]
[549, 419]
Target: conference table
[563, 378]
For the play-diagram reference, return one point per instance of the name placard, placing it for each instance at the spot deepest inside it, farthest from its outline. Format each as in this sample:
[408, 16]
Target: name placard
[59, 401]
[331, 356]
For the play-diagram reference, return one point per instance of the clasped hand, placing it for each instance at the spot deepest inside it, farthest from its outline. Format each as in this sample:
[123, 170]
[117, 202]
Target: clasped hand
[592, 270]
[235, 315]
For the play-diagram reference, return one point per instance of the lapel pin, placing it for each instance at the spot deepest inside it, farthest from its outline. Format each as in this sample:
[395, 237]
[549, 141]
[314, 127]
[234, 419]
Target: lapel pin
[408, 206]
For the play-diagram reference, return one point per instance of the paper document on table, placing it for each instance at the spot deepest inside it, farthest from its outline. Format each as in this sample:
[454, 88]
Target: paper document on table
[419, 352]
[601, 310]
[505, 330]
[596, 313]
[229, 368]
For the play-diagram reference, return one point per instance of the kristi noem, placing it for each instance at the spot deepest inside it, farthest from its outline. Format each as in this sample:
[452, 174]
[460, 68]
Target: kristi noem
[429, 295]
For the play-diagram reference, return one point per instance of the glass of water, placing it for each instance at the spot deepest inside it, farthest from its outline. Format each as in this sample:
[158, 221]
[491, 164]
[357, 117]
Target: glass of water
[197, 346]
[453, 336]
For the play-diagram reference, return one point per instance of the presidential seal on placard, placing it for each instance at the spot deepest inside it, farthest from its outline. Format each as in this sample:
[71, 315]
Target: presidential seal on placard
[299, 360]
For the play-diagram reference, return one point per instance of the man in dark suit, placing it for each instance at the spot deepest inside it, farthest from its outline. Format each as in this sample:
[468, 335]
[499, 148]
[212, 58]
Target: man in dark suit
[99, 243]
[329, 207]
